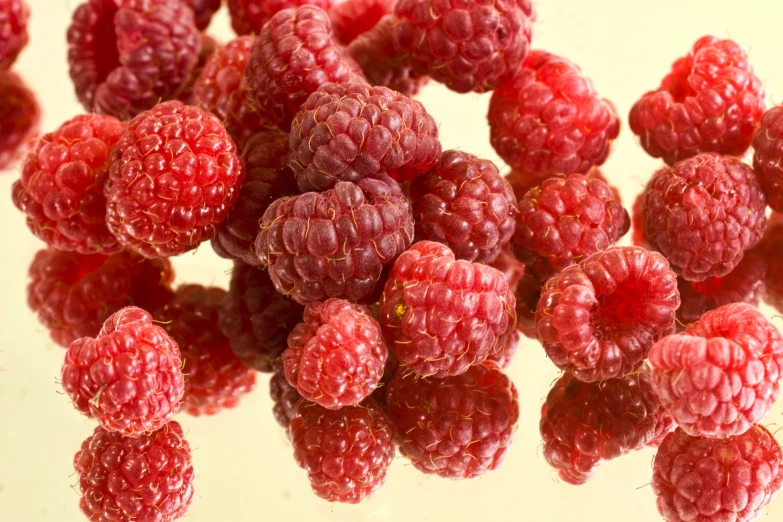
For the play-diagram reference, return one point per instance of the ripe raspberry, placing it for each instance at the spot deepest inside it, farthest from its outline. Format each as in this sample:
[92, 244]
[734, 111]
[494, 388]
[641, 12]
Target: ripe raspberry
[703, 213]
[700, 479]
[464, 203]
[565, 219]
[346, 452]
[256, 318]
[522, 181]
[767, 155]
[441, 315]
[124, 479]
[13, 30]
[771, 249]
[639, 221]
[598, 319]
[469, 46]
[711, 101]
[351, 18]
[513, 271]
[457, 427]
[389, 371]
[721, 375]
[215, 379]
[528, 294]
[335, 243]
[126, 56]
[346, 132]
[20, 117]
[185, 91]
[203, 11]
[285, 398]
[249, 16]
[74, 294]
[128, 377]
[172, 179]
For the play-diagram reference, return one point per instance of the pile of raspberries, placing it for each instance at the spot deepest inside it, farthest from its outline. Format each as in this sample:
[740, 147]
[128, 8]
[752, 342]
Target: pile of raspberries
[383, 282]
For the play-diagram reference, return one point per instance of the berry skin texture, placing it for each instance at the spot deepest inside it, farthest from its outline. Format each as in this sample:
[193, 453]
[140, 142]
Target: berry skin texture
[458, 427]
[249, 16]
[172, 179]
[335, 243]
[598, 319]
[128, 378]
[352, 18]
[767, 154]
[704, 213]
[464, 203]
[468, 46]
[721, 375]
[548, 119]
[346, 452]
[702, 479]
[711, 101]
[285, 398]
[20, 117]
[61, 187]
[350, 131]
[203, 11]
[440, 316]
[13, 30]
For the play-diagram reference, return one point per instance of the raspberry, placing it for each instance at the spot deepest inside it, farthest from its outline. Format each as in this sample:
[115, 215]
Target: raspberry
[203, 11]
[285, 398]
[527, 295]
[249, 16]
[74, 294]
[215, 379]
[522, 181]
[346, 452]
[185, 91]
[351, 18]
[441, 315]
[61, 188]
[721, 375]
[514, 272]
[464, 203]
[346, 132]
[126, 56]
[469, 46]
[703, 213]
[13, 30]
[584, 424]
[711, 101]
[767, 155]
[771, 250]
[457, 427]
[639, 221]
[389, 371]
[700, 479]
[564, 220]
[548, 119]
[598, 319]
[256, 319]
[20, 116]
[335, 243]
[128, 377]
[148, 477]
[336, 357]
[172, 179]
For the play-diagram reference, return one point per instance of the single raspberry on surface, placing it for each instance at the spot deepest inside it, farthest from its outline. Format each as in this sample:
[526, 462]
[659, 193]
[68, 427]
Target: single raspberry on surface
[721, 375]
[351, 18]
[767, 155]
[346, 452]
[20, 117]
[441, 315]
[185, 91]
[598, 319]
[702, 479]
[250, 16]
[203, 11]
[711, 101]
[13, 30]
[704, 213]
[285, 398]
[350, 131]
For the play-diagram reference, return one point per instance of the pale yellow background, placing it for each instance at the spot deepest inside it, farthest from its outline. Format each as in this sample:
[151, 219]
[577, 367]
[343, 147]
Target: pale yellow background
[244, 465]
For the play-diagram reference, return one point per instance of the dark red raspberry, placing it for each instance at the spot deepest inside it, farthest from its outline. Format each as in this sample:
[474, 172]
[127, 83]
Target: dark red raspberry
[584, 424]
[346, 132]
[124, 479]
[350, 18]
[346, 452]
[203, 11]
[721, 375]
[172, 179]
[767, 156]
[13, 30]
[215, 379]
[639, 221]
[701, 479]
[598, 319]
[335, 243]
[74, 294]
[464, 203]
[126, 56]
[20, 117]
[711, 101]
[128, 377]
[442, 315]
[565, 219]
[185, 92]
[249, 16]
[469, 46]
[704, 213]
[285, 397]
[61, 187]
[256, 318]
[528, 294]
[457, 427]
[771, 249]
[514, 272]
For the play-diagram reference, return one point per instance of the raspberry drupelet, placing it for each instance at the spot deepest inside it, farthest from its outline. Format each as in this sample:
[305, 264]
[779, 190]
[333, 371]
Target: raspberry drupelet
[352, 18]
[285, 398]
[14, 15]
[20, 115]
[203, 11]
[172, 179]
[721, 375]
[767, 156]
[128, 377]
[598, 319]
[250, 16]
[440, 315]
[711, 101]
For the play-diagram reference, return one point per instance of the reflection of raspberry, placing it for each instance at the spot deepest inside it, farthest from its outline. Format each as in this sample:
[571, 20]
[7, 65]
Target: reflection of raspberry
[203, 11]
[285, 398]
[249, 16]
[13, 30]
[351, 18]
[598, 319]
[767, 156]
[20, 116]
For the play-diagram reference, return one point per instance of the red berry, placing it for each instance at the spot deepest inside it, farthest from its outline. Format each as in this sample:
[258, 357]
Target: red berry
[528, 294]
[513, 271]
[352, 18]
[639, 221]
[771, 250]
[250, 16]
[285, 398]
[13, 30]
[20, 117]
[203, 11]
[767, 155]
[185, 91]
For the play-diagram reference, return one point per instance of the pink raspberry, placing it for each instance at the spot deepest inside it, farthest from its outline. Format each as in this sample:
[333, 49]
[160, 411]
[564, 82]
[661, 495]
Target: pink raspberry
[285, 398]
[20, 116]
[598, 319]
[13, 30]
[767, 155]
[250, 16]
[351, 18]
[203, 11]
